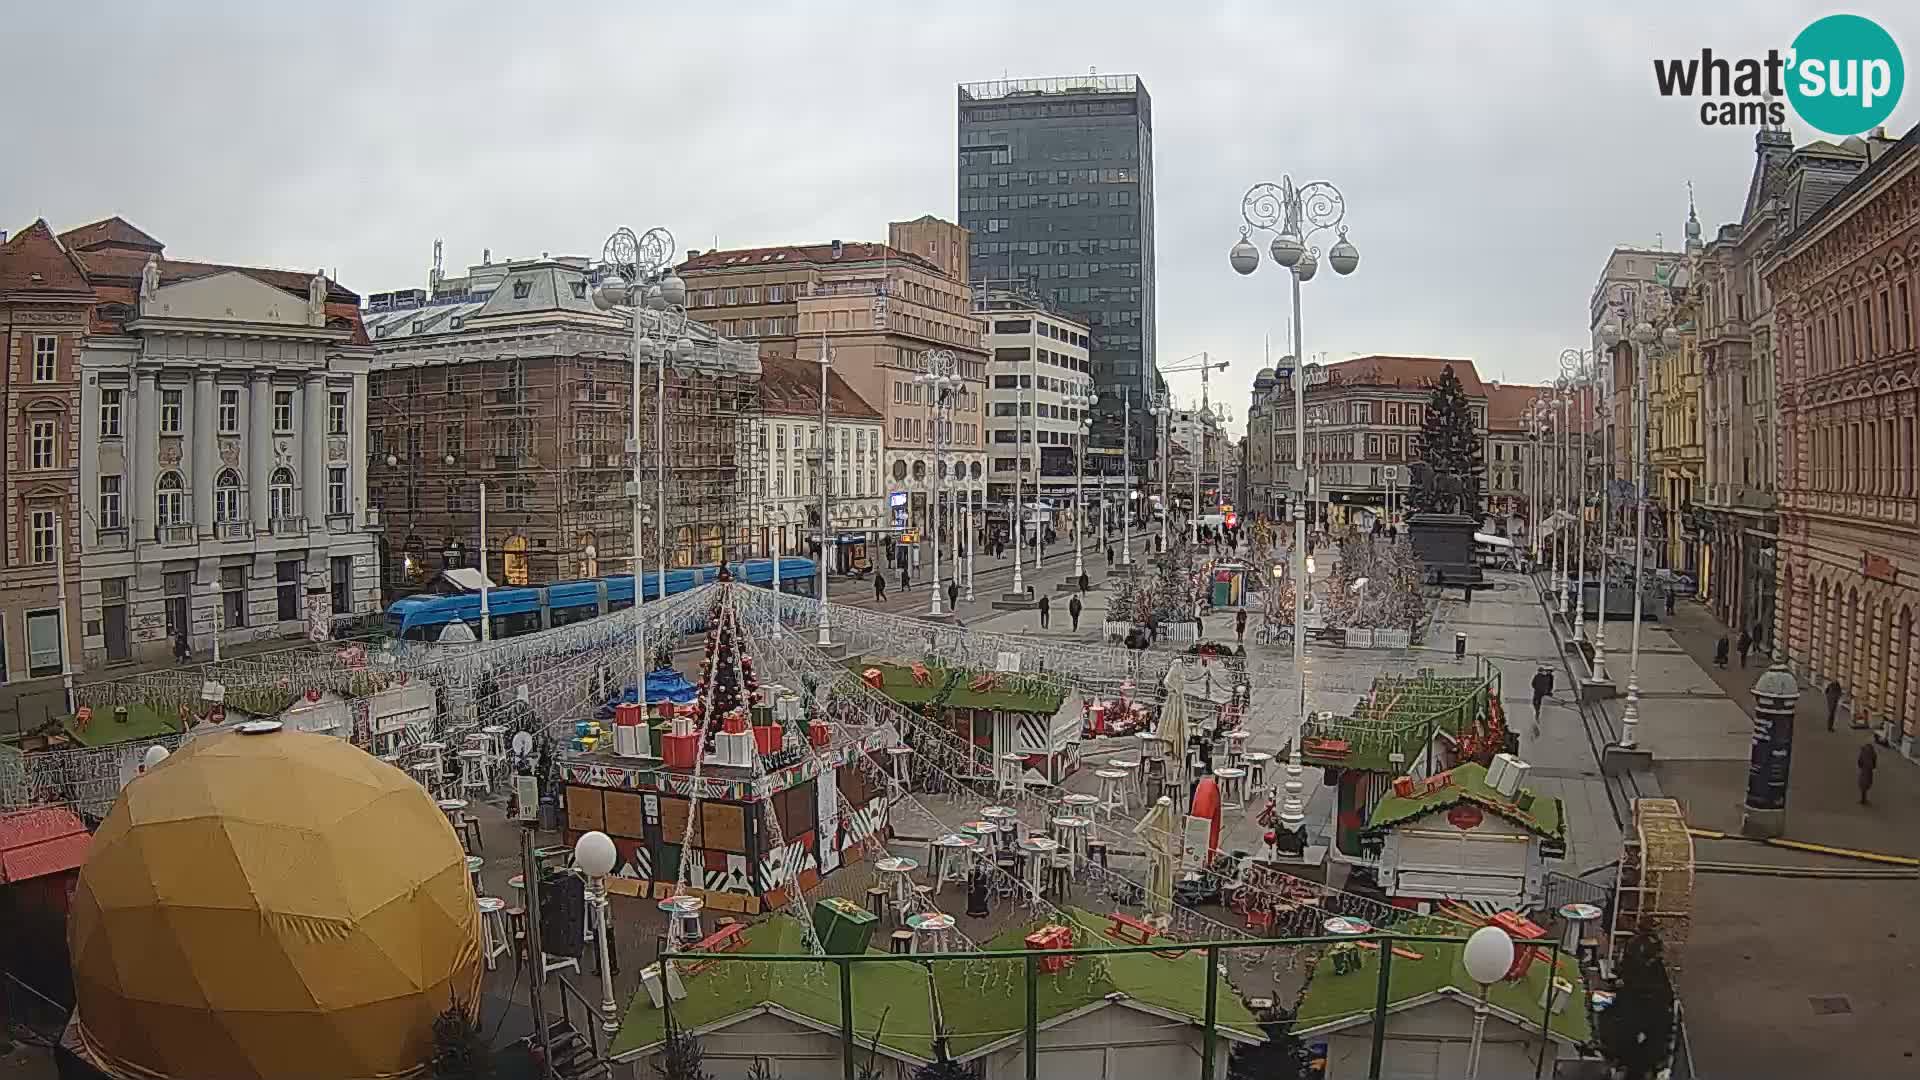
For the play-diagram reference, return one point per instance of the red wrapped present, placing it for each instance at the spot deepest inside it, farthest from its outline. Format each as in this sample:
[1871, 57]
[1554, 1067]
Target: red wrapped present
[1521, 929]
[665, 709]
[819, 732]
[626, 716]
[1052, 937]
[768, 738]
[873, 678]
[735, 723]
[1403, 786]
[680, 751]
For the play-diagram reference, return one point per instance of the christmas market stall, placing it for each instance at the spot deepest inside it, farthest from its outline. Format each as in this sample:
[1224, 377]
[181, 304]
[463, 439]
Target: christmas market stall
[732, 796]
[1471, 834]
[1404, 726]
[997, 712]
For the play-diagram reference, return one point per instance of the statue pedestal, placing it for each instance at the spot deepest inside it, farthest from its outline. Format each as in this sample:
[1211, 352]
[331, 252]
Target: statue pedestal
[1444, 544]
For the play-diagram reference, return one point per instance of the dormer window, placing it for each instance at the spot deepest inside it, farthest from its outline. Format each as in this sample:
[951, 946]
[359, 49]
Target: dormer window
[580, 290]
[522, 289]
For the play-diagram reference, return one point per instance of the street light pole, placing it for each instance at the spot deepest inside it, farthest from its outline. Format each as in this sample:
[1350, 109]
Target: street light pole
[1126, 464]
[1083, 403]
[1295, 215]
[1643, 337]
[942, 382]
[1603, 371]
[1565, 479]
[1578, 366]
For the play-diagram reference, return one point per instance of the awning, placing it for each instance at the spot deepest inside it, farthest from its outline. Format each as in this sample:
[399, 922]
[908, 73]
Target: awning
[1491, 540]
[467, 579]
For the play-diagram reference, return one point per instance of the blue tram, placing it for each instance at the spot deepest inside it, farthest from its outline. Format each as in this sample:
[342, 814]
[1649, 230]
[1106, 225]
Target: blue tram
[517, 610]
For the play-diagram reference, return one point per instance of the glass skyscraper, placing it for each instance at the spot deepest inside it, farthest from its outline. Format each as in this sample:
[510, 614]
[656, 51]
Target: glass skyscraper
[1056, 185]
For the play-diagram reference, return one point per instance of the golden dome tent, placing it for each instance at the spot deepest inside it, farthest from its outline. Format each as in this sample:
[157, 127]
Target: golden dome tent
[270, 904]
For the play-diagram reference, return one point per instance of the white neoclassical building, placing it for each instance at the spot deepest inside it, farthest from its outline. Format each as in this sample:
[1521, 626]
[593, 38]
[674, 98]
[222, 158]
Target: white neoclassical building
[225, 491]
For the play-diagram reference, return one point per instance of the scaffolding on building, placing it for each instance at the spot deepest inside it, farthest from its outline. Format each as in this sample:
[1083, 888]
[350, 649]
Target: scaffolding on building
[1654, 889]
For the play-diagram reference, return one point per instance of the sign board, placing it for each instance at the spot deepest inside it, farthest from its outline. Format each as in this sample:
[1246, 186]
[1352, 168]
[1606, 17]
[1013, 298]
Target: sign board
[1007, 661]
[526, 797]
[1879, 568]
[213, 692]
[1195, 832]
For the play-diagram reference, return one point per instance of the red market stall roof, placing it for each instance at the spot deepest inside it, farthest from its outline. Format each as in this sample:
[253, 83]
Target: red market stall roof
[39, 842]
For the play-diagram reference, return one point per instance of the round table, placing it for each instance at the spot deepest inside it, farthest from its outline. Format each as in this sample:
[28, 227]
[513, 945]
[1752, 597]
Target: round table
[1150, 745]
[1347, 926]
[683, 915]
[1038, 854]
[1073, 831]
[1237, 745]
[900, 869]
[930, 930]
[1006, 817]
[985, 833]
[945, 853]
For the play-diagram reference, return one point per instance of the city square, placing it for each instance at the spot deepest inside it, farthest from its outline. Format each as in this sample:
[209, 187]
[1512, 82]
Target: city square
[1084, 608]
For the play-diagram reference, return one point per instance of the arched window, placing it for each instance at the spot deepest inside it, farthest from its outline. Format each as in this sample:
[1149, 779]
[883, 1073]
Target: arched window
[171, 499]
[226, 496]
[513, 560]
[280, 493]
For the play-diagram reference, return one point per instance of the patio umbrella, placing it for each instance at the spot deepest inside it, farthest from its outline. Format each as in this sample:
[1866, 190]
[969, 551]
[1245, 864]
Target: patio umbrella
[1155, 832]
[1173, 720]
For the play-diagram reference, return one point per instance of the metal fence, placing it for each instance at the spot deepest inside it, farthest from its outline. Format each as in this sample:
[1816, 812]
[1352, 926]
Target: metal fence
[985, 1009]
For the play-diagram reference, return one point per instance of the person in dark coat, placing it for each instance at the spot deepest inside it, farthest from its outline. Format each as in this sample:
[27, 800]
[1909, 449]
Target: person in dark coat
[1045, 610]
[905, 581]
[1670, 610]
[1833, 702]
[953, 595]
[1866, 763]
[1086, 583]
[1720, 652]
[1109, 556]
[879, 587]
[183, 655]
[1542, 690]
[1073, 610]
[1240, 625]
[1745, 646]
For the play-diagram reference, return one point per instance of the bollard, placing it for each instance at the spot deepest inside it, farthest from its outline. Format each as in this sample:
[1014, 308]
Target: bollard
[1459, 646]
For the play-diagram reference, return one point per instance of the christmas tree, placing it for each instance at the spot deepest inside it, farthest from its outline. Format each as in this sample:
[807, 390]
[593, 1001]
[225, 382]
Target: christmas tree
[1173, 591]
[1636, 1031]
[1451, 464]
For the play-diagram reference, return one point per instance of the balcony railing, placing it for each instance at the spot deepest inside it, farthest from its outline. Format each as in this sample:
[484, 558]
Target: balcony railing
[114, 539]
[233, 530]
[289, 526]
[175, 535]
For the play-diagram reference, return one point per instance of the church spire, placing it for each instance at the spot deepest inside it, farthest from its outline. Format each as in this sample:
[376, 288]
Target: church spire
[1693, 245]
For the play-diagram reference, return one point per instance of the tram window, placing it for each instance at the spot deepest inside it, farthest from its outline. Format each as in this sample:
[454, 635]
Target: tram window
[506, 626]
[619, 605]
[565, 616]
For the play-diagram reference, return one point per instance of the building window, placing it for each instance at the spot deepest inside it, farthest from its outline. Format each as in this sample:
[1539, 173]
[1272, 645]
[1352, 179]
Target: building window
[42, 440]
[226, 496]
[109, 502]
[41, 536]
[170, 500]
[46, 350]
[286, 589]
[110, 414]
[230, 412]
[44, 647]
[282, 410]
[729, 296]
[341, 567]
[336, 492]
[280, 494]
[337, 412]
[776, 294]
[233, 596]
[176, 586]
[170, 412]
[522, 290]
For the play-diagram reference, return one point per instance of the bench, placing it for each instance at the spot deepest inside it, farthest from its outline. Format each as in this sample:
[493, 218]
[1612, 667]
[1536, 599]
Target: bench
[727, 939]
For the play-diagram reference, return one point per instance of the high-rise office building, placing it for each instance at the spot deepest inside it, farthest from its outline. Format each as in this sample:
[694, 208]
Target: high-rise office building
[1056, 188]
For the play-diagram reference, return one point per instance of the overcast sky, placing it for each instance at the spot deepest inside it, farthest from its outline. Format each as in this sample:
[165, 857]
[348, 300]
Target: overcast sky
[1490, 154]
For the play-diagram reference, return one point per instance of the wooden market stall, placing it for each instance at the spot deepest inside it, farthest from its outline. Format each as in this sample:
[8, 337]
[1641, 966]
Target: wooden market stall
[1469, 834]
[996, 712]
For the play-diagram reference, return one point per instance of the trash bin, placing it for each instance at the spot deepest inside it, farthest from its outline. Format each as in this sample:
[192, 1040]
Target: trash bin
[1460, 646]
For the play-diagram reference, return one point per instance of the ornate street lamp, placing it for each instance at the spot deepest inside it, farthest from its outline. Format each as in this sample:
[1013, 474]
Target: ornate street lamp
[943, 382]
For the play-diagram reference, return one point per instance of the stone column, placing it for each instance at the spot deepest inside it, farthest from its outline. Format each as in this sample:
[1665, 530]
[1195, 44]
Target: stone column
[143, 465]
[206, 457]
[313, 452]
[260, 451]
[1774, 696]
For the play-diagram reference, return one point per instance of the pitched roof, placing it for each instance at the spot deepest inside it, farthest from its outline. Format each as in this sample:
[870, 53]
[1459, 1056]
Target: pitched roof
[34, 260]
[115, 231]
[1412, 372]
[1467, 783]
[801, 255]
[41, 841]
[791, 387]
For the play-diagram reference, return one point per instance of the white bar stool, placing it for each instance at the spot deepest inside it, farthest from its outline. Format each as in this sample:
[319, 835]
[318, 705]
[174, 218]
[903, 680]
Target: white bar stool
[496, 741]
[1130, 766]
[1237, 746]
[426, 774]
[931, 931]
[473, 769]
[1038, 853]
[494, 938]
[1007, 820]
[1013, 771]
[1073, 832]
[1233, 787]
[896, 873]
[1078, 804]
[1256, 764]
[1112, 795]
[474, 864]
[435, 752]
[683, 920]
[897, 756]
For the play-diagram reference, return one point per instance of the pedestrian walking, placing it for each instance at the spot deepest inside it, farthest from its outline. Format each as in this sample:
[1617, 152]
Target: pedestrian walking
[1073, 610]
[182, 654]
[1240, 625]
[1833, 702]
[1866, 763]
[1044, 611]
[1109, 556]
[1670, 609]
[905, 581]
[1542, 690]
[879, 587]
[953, 596]
[1745, 646]
[1086, 583]
[1720, 652]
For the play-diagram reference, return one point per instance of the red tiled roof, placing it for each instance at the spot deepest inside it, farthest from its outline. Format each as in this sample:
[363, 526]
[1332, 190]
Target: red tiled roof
[1507, 407]
[773, 258]
[1412, 372]
[33, 260]
[115, 231]
[35, 843]
[116, 276]
[791, 387]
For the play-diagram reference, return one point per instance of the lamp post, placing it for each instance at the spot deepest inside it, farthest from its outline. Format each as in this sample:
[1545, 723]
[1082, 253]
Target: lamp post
[1487, 956]
[1126, 466]
[1603, 410]
[1563, 462]
[1082, 402]
[594, 855]
[1294, 215]
[1644, 337]
[1577, 366]
[943, 382]
[1162, 408]
[637, 274]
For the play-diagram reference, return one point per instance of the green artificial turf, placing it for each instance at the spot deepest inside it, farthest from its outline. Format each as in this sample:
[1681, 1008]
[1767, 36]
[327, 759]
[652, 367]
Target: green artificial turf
[980, 1003]
[143, 722]
[1544, 818]
[953, 687]
[1329, 997]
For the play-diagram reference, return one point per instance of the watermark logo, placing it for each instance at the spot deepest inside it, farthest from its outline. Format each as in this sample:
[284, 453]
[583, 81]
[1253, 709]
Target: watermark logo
[1843, 76]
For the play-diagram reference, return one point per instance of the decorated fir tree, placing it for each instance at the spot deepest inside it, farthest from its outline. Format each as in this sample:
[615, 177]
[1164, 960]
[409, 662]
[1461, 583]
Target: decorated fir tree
[1636, 1031]
[1450, 463]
